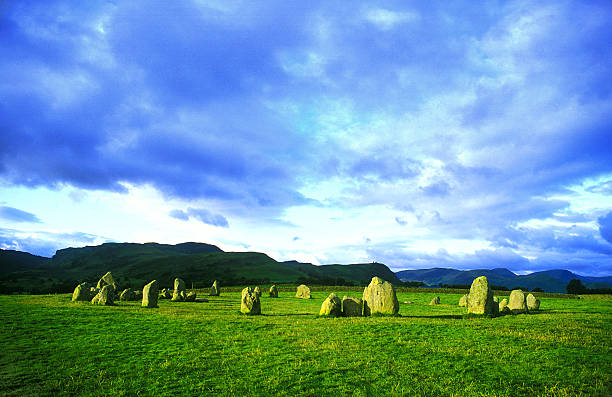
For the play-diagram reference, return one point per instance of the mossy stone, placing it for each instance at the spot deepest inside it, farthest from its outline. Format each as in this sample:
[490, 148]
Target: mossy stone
[332, 306]
[150, 294]
[249, 302]
[214, 289]
[303, 292]
[379, 297]
[463, 300]
[532, 302]
[105, 297]
[480, 299]
[258, 291]
[81, 293]
[435, 301]
[127, 295]
[107, 279]
[273, 292]
[352, 307]
[517, 302]
[178, 295]
[503, 306]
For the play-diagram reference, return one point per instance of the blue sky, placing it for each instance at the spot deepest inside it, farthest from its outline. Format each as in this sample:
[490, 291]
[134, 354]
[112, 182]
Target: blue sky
[419, 134]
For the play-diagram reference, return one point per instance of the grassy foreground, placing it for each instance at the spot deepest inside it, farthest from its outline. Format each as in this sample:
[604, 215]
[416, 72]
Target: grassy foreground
[51, 346]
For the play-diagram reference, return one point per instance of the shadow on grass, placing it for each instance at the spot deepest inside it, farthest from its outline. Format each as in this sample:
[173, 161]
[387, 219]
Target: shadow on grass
[441, 316]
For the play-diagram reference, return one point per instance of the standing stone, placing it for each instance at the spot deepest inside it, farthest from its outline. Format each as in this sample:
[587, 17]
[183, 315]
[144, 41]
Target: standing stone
[273, 292]
[258, 291]
[150, 294]
[107, 279]
[105, 297]
[463, 300]
[435, 301]
[481, 297]
[352, 307]
[190, 297]
[249, 304]
[532, 303]
[503, 306]
[332, 306]
[303, 292]
[137, 295]
[81, 293]
[379, 297]
[496, 299]
[214, 289]
[517, 303]
[127, 295]
[179, 290]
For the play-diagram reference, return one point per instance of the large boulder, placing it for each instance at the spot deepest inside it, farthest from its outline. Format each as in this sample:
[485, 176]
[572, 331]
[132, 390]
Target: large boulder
[303, 292]
[249, 303]
[190, 297]
[379, 297]
[214, 289]
[352, 307]
[463, 300]
[435, 301]
[273, 292]
[532, 303]
[106, 296]
[517, 302]
[150, 294]
[480, 299]
[179, 290]
[81, 293]
[332, 306]
[127, 295]
[107, 279]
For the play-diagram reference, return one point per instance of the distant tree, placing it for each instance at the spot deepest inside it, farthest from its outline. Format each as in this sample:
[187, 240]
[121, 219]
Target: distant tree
[537, 289]
[576, 287]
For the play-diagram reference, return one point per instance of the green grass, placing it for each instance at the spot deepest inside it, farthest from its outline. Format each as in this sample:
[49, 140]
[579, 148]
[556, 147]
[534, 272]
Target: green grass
[51, 346]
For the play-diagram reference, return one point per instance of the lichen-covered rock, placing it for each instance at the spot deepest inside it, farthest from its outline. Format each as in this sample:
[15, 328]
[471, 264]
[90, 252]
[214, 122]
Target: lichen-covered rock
[379, 297]
[532, 302]
[150, 294]
[258, 291]
[517, 302]
[107, 279]
[106, 296]
[165, 294]
[273, 292]
[352, 307]
[249, 303]
[127, 295]
[435, 301]
[214, 289]
[81, 293]
[503, 306]
[303, 292]
[190, 297]
[179, 290]
[463, 300]
[332, 306]
[480, 299]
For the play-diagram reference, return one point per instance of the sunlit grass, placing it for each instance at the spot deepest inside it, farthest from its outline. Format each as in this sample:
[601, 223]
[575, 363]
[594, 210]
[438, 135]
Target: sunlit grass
[52, 346]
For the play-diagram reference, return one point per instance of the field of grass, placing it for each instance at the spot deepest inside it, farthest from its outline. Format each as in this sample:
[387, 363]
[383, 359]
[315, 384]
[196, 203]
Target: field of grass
[51, 346]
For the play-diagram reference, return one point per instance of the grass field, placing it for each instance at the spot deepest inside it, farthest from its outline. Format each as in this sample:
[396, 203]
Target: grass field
[51, 346]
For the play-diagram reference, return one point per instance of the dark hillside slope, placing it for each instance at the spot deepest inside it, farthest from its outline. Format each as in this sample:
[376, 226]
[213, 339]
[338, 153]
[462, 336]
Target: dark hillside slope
[15, 261]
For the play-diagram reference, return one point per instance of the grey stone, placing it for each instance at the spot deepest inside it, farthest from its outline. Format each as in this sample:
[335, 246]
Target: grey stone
[127, 295]
[379, 297]
[480, 300]
[214, 289]
[178, 295]
[532, 302]
[332, 306]
[249, 303]
[435, 301]
[303, 292]
[105, 297]
[81, 293]
[150, 294]
[463, 300]
[273, 292]
[352, 307]
[517, 302]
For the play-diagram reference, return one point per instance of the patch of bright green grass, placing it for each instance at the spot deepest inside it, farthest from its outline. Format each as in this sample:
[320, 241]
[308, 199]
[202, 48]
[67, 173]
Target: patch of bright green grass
[51, 346]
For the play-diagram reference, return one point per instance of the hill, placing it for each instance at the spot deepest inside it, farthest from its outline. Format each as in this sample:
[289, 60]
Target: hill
[134, 265]
[15, 261]
[548, 281]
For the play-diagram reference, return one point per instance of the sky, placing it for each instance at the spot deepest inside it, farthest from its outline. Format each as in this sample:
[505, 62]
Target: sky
[417, 134]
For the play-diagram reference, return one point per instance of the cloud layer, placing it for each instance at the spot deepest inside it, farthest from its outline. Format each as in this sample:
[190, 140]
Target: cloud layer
[468, 121]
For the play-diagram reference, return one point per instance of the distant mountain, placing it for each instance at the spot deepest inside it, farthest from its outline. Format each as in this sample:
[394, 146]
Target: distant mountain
[134, 265]
[16, 261]
[549, 280]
